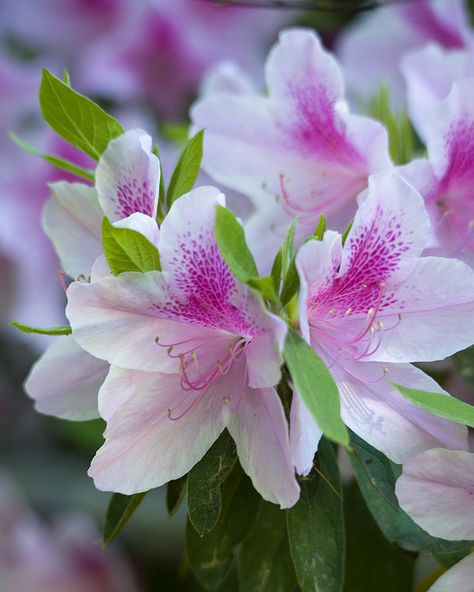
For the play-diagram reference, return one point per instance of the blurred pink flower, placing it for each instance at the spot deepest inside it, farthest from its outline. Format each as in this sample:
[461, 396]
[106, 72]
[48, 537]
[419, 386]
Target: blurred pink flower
[297, 152]
[372, 306]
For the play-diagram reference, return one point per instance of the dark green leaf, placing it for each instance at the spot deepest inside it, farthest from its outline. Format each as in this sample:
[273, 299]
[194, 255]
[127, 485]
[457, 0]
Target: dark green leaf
[59, 163]
[128, 250]
[161, 213]
[288, 250]
[316, 526]
[175, 492]
[291, 283]
[120, 510]
[376, 477]
[315, 386]
[372, 563]
[276, 271]
[211, 556]
[464, 361]
[187, 169]
[76, 118]
[265, 561]
[204, 484]
[57, 330]
[230, 239]
[440, 405]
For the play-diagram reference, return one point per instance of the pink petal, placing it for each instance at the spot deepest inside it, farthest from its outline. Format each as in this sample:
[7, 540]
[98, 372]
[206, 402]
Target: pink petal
[304, 436]
[375, 411]
[128, 177]
[263, 354]
[145, 225]
[65, 381]
[72, 219]
[260, 431]
[459, 577]
[437, 490]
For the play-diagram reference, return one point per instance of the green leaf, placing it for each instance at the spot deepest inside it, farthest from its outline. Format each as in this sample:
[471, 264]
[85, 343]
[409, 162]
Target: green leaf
[230, 239]
[316, 526]
[161, 213]
[57, 330]
[59, 163]
[204, 484]
[345, 234]
[121, 508]
[265, 286]
[291, 283]
[66, 77]
[187, 169]
[440, 405]
[376, 476]
[265, 561]
[372, 563]
[464, 361]
[175, 492]
[316, 387]
[288, 251]
[276, 271]
[211, 556]
[320, 228]
[76, 118]
[128, 250]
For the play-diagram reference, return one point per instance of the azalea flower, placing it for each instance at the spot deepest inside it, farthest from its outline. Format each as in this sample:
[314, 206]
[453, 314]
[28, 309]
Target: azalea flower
[436, 490]
[126, 190]
[372, 48]
[370, 307]
[297, 152]
[192, 352]
[445, 178]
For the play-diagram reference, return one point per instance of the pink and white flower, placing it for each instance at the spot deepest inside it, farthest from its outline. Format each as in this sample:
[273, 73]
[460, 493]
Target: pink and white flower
[297, 152]
[445, 178]
[193, 352]
[370, 307]
[436, 489]
[372, 48]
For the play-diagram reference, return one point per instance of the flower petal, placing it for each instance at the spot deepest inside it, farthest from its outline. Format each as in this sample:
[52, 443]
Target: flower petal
[459, 577]
[128, 177]
[304, 436]
[437, 490]
[72, 219]
[146, 444]
[375, 411]
[143, 224]
[65, 381]
[260, 431]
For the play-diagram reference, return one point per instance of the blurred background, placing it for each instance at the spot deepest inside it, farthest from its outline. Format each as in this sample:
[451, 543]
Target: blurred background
[145, 61]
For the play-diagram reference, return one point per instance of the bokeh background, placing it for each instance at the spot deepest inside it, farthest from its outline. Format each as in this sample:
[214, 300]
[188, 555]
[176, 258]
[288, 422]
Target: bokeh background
[145, 61]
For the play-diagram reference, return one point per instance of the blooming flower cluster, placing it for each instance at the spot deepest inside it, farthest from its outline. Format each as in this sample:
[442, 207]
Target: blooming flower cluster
[186, 323]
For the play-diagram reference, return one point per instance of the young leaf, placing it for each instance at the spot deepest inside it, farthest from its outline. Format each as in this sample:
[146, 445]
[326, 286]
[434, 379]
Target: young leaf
[320, 228]
[265, 286]
[211, 556]
[59, 163]
[288, 251]
[175, 492]
[187, 169]
[316, 526]
[57, 330]
[161, 213]
[121, 508]
[128, 250]
[291, 283]
[376, 476]
[204, 484]
[440, 405]
[265, 561]
[230, 239]
[76, 118]
[316, 387]
[276, 271]
[345, 234]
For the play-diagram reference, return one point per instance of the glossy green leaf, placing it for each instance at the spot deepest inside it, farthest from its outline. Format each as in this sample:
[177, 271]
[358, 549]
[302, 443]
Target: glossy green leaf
[211, 556]
[376, 476]
[265, 560]
[232, 245]
[76, 118]
[316, 526]
[315, 386]
[291, 284]
[119, 512]
[288, 249]
[276, 271]
[204, 484]
[345, 234]
[440, 405]
[56, 161]
[56, 330]
[265, 286]
[161, 211]
[175, 492]
[320, 228]
[187, 169]
[128, 250]
[373, 564]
